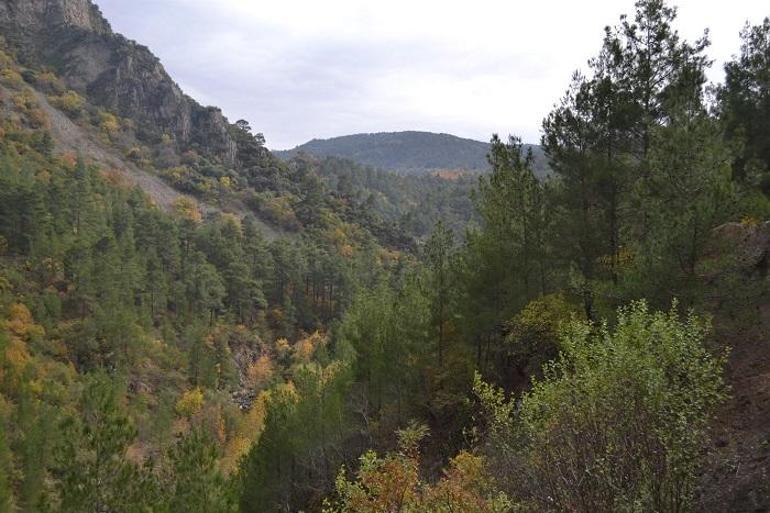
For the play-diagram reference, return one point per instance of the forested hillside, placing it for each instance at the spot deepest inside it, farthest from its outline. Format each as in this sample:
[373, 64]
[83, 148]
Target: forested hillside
[188, 323]
[409, 152]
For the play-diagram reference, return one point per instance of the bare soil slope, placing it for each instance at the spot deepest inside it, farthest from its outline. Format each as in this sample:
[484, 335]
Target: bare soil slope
[69, 137]
[737, 475]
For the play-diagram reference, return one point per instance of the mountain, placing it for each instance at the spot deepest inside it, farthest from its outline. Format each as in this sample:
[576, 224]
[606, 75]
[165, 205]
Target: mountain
[74, 40]
[408, 152]
[84, 90]
[97, 94]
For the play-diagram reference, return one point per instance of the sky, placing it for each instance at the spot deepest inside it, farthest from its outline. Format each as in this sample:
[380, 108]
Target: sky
[304, 69]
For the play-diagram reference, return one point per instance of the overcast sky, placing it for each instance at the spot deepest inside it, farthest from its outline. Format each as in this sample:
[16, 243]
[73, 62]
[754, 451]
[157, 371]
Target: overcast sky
[301, 69]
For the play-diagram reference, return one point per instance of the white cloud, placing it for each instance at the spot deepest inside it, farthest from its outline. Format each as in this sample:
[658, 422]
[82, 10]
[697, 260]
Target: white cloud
[301, 69]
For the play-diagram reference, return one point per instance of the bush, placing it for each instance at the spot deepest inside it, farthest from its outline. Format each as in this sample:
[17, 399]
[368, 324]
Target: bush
[38, 118]
[392, 483]
[190, 403]
[11, 78]
[533, 334]
[25, 101]
[70, 102]
[619, 421]
[48, 82]
[109, 123]
[6, 60]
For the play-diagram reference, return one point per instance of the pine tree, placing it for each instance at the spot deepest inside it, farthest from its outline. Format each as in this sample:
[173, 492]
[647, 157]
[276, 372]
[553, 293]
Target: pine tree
[744, 106]
[505, 259]
[33, 449]
[601, 141]
[93, 471]
[196, 485]
[438, 252]
[6, 467]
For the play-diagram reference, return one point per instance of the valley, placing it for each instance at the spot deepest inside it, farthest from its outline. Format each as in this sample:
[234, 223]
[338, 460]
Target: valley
[379, 322]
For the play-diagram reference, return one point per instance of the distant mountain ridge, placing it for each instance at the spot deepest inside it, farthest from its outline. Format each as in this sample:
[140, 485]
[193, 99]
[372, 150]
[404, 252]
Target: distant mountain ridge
[411, 152]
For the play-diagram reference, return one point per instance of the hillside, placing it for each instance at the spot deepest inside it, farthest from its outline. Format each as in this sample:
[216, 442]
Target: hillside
[382, 322]
[111, 101]
[72, 39]
[408, 152]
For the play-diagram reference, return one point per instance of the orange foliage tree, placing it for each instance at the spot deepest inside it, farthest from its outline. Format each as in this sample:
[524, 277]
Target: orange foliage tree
[392, 484]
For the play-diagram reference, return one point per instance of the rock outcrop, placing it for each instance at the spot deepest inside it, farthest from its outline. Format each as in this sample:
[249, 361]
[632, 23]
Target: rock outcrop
[742, 246]
[73, 38]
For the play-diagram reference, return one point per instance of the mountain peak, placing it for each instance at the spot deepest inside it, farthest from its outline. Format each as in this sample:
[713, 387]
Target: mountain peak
[73, 38]
[35, 16]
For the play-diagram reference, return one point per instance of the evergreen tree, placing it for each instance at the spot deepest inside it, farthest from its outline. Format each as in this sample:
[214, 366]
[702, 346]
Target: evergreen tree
[744, 106]
[196, 485]
[6, 467]
[33, 449]
[687, 192]
[503, 264]
[94, 473]
[602, 141]
[438, 252]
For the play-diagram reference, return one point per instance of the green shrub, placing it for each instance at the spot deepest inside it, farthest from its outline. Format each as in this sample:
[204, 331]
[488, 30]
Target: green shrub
[70, 102]
[618, 422]
[11, 78]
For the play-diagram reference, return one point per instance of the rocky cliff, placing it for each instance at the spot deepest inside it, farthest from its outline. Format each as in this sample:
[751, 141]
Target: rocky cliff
[73, 38]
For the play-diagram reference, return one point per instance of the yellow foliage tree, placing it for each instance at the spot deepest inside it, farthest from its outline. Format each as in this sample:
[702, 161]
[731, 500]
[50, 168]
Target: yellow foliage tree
[70, 102]
[21, 327]
[187, 208]
[20, 322]
[109, 123]
[190, 403]
[392, 483]
[347, 251]
[260, 372]
[282, 347]
[303, 351]
[305, 348]
[247, 434]
[16, 355]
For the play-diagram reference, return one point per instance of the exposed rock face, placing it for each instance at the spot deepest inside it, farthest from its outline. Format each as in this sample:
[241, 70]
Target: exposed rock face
[746, 245]
[24, 20]
[73, 37]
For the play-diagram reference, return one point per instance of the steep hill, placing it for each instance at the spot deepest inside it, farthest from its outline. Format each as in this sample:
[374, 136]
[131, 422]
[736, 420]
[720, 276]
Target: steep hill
[109, 99]
[407, 152]
[74, 40]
